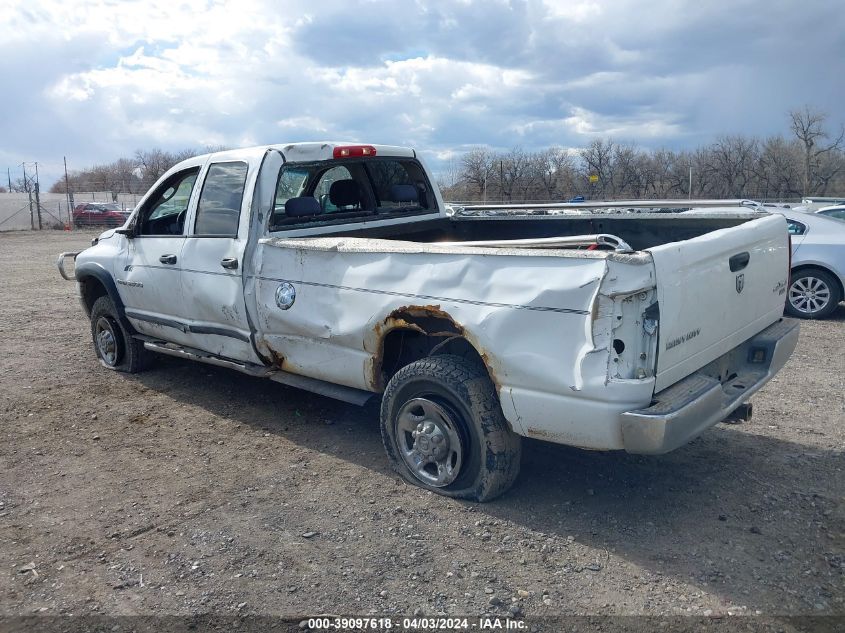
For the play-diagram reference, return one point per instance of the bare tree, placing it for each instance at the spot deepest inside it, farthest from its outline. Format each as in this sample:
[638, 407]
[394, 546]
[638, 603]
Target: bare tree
[125, 175]
[828, 167]
[732, 166]
[554, 172]
[658, 174]
[779, 171]
[597, 160]
[729, 164]
[807, 124]
[23, 185]
[515, 174]
[477, 168]
[627, 172]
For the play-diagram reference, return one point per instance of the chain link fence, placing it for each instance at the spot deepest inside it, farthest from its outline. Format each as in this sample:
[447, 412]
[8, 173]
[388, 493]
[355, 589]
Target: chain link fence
[19, 211]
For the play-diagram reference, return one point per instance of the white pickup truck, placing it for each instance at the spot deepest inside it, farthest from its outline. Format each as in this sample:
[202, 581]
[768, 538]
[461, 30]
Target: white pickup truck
[338, 268]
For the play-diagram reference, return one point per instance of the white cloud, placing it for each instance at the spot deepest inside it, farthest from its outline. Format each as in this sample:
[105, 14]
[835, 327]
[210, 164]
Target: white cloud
[574, 11]
[97, 81]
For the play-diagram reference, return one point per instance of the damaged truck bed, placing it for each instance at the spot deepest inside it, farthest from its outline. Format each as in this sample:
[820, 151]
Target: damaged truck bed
[338, 268]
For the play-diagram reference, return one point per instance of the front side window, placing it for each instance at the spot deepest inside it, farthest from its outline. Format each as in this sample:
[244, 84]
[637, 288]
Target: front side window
[164, 213]
[219, 207]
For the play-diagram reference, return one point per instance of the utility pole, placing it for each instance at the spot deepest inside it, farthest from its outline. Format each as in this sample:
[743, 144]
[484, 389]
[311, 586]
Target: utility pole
[9, 176]
[37, 197]
[68, 195]
[690, 180]
[26, 188]
[502, 180]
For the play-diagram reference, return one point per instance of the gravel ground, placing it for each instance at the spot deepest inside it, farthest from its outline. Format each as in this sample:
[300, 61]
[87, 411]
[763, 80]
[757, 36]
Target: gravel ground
[191, 489]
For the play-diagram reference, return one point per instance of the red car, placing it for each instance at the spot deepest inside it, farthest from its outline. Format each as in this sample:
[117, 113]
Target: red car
[99, 214]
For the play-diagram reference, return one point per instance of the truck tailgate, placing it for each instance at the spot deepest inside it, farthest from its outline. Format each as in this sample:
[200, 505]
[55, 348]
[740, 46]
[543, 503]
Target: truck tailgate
[717, 290]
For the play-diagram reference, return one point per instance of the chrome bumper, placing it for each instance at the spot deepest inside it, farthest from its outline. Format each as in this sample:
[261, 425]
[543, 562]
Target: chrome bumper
[60, 264]
[694, 404]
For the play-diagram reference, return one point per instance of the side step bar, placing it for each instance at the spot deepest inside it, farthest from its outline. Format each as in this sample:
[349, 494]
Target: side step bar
[328, 389]
[314, 385]
[204, 357]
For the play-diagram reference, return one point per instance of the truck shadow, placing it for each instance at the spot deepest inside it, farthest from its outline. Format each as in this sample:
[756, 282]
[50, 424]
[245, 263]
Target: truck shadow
[741, 515]
[735, 512]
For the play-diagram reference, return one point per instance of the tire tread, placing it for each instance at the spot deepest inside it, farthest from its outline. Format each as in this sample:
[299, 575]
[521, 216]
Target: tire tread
[502, 447]
[136, 358]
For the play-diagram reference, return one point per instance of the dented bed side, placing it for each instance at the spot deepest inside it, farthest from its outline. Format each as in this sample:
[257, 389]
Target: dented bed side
[544, 323]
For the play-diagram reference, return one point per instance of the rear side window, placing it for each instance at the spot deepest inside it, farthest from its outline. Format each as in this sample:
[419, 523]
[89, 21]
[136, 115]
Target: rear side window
[219, 207]
[338, 191]
[834, 213]
[291, 184]
[795, 228]
[394, 185]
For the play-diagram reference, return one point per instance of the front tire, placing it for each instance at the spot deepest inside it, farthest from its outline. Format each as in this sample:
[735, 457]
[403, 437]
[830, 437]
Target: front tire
[813, 294]
[114, 346]
[443, 429]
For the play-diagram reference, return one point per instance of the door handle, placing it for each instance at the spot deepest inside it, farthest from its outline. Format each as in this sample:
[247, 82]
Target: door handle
[739, 261]
[229, 262]
[167, 259]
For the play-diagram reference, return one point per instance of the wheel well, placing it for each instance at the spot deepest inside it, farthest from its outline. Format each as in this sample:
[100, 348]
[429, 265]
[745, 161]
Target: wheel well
[838, 281]
[414, 333]
[91, 289]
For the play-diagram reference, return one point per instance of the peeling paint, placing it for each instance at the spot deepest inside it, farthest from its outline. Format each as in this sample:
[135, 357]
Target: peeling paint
[412, 318]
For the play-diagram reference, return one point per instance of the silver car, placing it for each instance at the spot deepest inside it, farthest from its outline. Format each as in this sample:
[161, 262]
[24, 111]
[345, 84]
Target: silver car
[818, 264]
[836, 211]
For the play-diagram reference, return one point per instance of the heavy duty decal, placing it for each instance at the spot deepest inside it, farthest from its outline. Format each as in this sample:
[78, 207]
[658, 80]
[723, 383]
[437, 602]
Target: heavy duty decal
[682, 339]
[133, 284]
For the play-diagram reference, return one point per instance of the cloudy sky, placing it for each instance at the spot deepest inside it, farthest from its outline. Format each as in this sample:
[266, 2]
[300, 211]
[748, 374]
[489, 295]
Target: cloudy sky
[96, 80]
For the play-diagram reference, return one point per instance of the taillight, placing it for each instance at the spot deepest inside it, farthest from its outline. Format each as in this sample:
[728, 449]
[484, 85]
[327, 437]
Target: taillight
[789, 270]
[352, 151]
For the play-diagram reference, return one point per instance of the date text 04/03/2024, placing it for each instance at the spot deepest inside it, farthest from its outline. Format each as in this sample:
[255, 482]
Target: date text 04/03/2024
[415, 624]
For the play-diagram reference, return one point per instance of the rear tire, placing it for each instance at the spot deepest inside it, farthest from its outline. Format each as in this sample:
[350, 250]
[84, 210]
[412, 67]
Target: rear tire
[113, 344]
[443, 429]
[812, 294]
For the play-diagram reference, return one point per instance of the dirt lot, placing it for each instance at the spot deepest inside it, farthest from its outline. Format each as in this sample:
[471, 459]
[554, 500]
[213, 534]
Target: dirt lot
[192, 489]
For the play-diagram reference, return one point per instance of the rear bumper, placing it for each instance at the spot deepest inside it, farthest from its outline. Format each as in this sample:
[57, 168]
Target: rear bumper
[708, 396]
